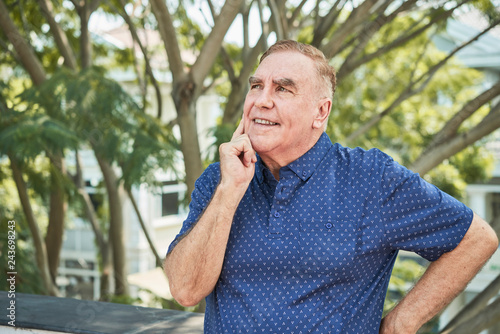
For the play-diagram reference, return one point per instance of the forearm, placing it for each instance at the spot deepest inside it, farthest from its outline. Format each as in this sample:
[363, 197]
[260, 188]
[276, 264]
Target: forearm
[194, 265]
[429, 296]
[442, 281]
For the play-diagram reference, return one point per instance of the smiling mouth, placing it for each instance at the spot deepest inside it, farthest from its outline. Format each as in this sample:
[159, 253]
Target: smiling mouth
[263, 121]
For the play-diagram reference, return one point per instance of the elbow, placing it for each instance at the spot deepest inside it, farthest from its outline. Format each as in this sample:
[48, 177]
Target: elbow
[486, 242]
[184, 295]
[489, 239]
[180, 291]
[484, 238]
[492, 242]
[185, 298]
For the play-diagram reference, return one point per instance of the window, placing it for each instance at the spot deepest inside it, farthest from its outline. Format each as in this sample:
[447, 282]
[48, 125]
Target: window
[170, 198]
[495, 207]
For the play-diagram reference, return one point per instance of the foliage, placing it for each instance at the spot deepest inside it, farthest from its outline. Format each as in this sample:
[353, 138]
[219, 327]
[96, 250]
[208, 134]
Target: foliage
[222, 133]
[125, 299]
[27, 277]
[406, 131]
[74, 110]
[405, 273]
[106, 118]
[84, 109]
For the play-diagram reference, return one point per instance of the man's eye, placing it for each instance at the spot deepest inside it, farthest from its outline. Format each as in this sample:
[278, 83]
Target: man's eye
[255, 86]
[282, 89]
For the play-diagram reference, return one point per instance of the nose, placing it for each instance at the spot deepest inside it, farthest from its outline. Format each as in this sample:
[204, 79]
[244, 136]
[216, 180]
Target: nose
[265, 99]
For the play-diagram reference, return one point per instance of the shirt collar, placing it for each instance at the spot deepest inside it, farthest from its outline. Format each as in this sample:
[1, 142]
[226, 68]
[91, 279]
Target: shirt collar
[304, 166]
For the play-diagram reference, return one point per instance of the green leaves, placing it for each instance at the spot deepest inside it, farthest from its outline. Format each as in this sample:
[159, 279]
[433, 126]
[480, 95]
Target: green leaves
[27, 136]
[88, 110]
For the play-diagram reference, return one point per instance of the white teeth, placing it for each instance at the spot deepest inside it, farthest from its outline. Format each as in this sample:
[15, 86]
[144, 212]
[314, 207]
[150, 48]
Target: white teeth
[263, 121]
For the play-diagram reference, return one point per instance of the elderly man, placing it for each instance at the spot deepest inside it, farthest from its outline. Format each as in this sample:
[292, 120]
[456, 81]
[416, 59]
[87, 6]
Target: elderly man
[293, 234]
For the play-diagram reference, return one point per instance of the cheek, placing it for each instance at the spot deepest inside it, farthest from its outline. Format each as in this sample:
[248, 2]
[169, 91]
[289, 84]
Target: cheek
[249, 101]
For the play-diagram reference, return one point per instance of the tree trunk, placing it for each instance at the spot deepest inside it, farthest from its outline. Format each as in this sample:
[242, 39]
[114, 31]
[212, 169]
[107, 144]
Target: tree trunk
[57, 213]
[106, 272]
[47, 259]
[40, 250]
[235, 102]
[102, 243]
[57, 198]
[116, 233]
[190, 146]
[84, 12]
[188, 87]
[158, 259]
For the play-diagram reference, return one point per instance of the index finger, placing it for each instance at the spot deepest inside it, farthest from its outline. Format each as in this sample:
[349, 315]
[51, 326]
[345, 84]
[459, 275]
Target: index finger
[240, 129]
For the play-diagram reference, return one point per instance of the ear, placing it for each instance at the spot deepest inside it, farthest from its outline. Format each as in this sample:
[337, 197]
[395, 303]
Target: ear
[322, 112]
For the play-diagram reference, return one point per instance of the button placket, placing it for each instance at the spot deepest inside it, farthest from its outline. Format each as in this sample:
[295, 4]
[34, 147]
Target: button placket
[278, 206]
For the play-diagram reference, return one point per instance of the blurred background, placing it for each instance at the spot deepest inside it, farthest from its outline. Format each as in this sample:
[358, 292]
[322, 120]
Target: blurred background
[110, 110]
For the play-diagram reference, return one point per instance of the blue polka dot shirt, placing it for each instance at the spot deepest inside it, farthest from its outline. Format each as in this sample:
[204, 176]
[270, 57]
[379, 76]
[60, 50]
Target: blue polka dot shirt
[313, 253]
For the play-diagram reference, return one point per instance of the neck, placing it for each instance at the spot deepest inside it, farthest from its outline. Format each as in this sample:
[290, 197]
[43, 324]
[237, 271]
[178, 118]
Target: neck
[273, 166]
[274, 163]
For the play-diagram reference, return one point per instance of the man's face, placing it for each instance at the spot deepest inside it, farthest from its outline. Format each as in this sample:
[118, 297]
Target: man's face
[281, 109]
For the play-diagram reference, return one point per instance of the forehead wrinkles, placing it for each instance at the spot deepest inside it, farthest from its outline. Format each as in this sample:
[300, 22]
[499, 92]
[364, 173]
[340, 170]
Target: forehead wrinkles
[285, 82]
[288, 69]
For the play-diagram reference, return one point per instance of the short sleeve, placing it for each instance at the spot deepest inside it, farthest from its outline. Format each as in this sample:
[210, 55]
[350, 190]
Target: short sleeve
[202, 194]
[418, 216]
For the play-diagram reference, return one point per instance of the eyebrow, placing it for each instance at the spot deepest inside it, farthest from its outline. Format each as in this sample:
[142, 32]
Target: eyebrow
[284, 82]
[253, 80]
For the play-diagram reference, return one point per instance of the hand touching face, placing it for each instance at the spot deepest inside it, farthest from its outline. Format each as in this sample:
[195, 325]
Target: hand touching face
[284, 110]
[237, 159]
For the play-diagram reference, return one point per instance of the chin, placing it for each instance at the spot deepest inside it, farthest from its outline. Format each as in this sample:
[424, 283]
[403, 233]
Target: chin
[263, 144]
[261, 149]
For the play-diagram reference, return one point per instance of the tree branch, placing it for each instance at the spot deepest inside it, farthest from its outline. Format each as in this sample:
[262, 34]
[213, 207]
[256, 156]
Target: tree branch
[264, 27]
[325, 23]
[369, 31]
[211, 47]
[425, 162]
[23, 49]
[398, 42]
[350, 25]
[59, 36]
[40, 249]
[149, 70]
[169, 37]
[467, 110]
[144, 228]
[278, 22]
[411, 89]
[296, 12]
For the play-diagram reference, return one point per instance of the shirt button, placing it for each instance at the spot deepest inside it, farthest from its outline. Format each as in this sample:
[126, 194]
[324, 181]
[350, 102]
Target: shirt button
[304, 173]
[328, 225]
[277, 214]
